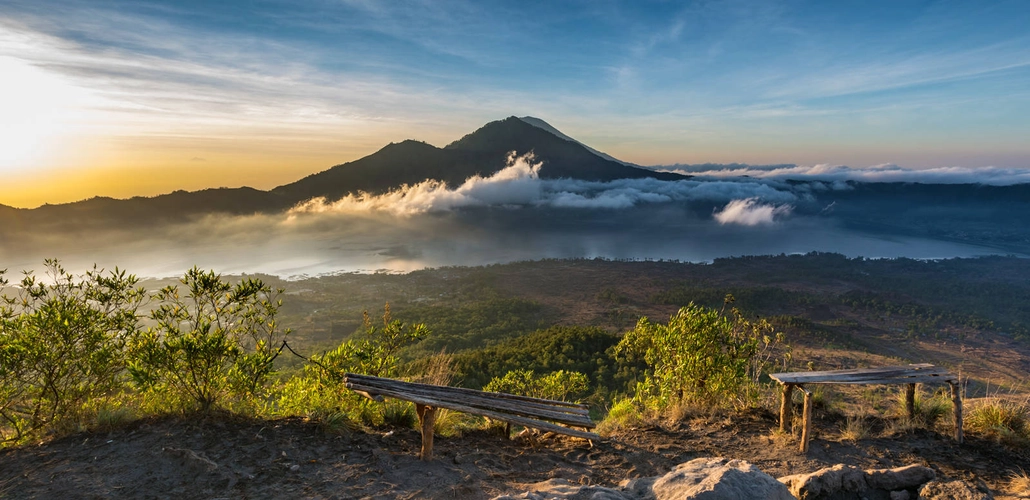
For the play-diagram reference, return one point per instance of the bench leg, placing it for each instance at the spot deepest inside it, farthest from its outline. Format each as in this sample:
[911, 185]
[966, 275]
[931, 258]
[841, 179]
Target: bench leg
[910, 401]
[786, 408]
[426, 419]
[806, 429]
[956, 399]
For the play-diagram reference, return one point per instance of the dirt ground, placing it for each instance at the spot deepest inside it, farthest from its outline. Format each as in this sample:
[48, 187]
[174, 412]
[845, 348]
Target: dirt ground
[234, 457]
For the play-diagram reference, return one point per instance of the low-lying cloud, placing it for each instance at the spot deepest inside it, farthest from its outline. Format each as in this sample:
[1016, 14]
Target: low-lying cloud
[519, 185]
[994, 176]
[749, 212]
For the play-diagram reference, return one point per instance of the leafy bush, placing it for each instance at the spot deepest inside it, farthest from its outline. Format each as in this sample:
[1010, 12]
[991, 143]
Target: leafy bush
[319, 390]
[560, 385]
[216, 343]
[699, 355]
[62, 344]
[623, 414]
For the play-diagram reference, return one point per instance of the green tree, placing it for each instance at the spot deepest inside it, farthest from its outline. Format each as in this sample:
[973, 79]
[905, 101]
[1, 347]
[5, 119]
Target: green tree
[559, 385]
[62, 344]
[216, 341]
[320, 389]
[701, 354]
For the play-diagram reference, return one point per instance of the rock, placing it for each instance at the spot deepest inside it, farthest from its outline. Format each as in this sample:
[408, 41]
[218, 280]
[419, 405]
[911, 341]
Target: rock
[843, 479]
[901, 478]
[954, 490]
[703, 478]
[718, 479]
[826, 482]
[553, 489]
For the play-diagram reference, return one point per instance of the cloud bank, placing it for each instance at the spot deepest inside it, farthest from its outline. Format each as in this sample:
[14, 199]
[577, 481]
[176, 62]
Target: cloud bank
[519, 185]
[994, 176]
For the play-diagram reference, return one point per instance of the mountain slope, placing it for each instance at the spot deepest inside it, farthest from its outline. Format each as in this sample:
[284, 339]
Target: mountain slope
[536, 122]
[482, 152]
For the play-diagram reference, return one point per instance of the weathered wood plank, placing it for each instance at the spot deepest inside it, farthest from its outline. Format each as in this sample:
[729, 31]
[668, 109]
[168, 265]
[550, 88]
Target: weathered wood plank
[426, 420]
[462, 390]
[786, 407]
[526, 422]
[806, 427]
[869, 381]
[910, 401]
[918, 366]
[956, 399]
[477, 397]
[516, 408]
[923, 373]
[886, 374]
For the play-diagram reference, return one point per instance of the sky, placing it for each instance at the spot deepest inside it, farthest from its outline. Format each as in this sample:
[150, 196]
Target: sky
[122, 98]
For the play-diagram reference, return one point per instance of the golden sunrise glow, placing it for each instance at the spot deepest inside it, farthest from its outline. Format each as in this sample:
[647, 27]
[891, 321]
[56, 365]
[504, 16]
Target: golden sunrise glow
[40, 111]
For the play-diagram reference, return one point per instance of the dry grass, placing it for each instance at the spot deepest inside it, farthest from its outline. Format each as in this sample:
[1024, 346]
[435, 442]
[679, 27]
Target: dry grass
[1005, 421]
[782, 439]
[855, 429]
[437, 369]
[1019, 483]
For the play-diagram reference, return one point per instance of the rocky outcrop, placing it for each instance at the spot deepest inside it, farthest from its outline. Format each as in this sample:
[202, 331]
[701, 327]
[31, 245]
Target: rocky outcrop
[844, 481]
[725, 479]
[718, 479]
[954, 490]
[702, 479]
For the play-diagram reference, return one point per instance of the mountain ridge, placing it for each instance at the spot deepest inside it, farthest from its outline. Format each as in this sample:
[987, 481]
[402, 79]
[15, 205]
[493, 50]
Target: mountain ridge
[482, 152]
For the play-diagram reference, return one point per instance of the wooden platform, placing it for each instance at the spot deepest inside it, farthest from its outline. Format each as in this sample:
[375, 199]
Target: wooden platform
[543, 414]
[908, 375]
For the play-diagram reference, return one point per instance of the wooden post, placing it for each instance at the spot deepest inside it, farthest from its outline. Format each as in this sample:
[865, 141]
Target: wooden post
[910, 401]
[956, 399]
[806, 428]
[426, 418]
[786, 408]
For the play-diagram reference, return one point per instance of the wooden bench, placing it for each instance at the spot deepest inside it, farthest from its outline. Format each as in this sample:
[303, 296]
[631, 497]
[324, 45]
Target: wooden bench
[519, 410]
[908, 374]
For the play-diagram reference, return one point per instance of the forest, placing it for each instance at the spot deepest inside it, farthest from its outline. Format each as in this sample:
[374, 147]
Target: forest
[627, 337]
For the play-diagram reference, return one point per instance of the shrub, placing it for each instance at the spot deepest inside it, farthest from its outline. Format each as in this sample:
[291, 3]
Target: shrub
[319, 390]
[560, 385]
[623, 414]
[62, 344]
[699, 355]
[999, 419]
[213, 346]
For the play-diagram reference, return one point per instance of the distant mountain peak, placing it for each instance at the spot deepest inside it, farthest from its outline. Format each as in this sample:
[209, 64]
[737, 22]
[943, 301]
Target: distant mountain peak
[536, 122]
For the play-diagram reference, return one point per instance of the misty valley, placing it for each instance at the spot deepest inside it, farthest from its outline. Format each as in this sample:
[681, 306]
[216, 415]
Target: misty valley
[517, 260]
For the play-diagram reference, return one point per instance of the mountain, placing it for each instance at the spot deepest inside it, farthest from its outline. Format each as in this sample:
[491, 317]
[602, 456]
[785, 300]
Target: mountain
[536, 122]
[482, 152]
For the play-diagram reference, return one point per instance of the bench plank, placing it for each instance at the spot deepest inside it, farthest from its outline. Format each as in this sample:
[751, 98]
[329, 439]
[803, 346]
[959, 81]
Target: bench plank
[462, 390]
[526, 422]
[487, 398]
[922, 373]
[480, 404]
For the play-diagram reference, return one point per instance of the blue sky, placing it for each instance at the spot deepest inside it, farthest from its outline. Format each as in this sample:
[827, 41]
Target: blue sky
[188, 94]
